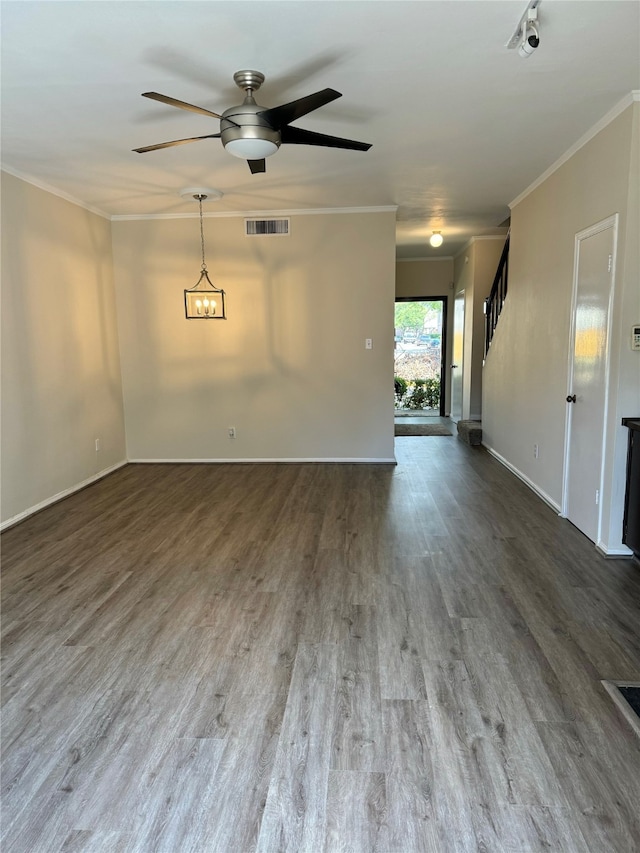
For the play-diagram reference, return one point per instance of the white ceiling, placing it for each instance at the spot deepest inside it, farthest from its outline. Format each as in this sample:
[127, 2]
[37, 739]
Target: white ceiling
[460, 125]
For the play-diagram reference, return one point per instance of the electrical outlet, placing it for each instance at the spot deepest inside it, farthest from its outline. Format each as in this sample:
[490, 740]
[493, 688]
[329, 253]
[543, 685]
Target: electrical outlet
[368, 343]
[536, 451]
[232, 432]
[97, 445]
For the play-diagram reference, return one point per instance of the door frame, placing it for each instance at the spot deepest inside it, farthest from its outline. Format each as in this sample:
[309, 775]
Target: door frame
[460, 294]
[592, 230]
[443, 341]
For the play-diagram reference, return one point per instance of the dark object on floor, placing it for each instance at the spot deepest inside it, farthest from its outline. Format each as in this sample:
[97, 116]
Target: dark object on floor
[631, 519]
[632, 696]
[626, 695]
[422, 429]
[470, 431]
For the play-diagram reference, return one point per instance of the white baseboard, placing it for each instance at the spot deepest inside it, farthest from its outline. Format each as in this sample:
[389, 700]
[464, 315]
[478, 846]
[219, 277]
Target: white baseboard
[10, 522]
[612, 553]
[534, 488]
[349, 460]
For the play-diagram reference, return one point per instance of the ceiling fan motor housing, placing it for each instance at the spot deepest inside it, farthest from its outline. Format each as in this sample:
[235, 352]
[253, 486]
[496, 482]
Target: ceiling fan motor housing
[244, 122]
[244, 132]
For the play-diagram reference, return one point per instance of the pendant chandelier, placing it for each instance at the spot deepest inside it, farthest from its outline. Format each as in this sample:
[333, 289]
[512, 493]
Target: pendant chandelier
[203, 301]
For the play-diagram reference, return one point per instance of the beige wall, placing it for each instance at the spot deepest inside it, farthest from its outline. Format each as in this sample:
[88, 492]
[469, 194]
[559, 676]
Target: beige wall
[474, 270]
[288, 369]
[525, 376]
[424, 277]
[429, 278]
[485, 264]
[463, 277]
[61, 387]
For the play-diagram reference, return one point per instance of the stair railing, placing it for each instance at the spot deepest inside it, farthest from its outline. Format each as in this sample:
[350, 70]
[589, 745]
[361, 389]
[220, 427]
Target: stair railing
[495, 300]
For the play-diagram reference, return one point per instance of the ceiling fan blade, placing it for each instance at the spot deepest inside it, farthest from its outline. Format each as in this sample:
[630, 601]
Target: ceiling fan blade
[283, 115]
[298, 136]
[183, 105]
[257, 166]
[175, 142]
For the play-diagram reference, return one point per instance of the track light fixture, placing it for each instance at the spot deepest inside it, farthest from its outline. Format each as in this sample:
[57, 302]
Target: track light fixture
[530, 40]
[527, 34]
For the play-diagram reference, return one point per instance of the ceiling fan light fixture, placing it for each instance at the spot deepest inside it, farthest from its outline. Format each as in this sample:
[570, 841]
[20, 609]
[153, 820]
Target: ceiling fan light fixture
[251, 149]
[436, 239]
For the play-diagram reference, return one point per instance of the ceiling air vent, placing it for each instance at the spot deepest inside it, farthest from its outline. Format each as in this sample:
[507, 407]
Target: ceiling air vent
[266, 227]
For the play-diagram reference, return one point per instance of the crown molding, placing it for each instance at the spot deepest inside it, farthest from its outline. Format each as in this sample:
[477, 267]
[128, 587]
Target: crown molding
[473, 240]
[620, 107]
[255, 214]
[246, 214]
[422, 260]
[41, 185]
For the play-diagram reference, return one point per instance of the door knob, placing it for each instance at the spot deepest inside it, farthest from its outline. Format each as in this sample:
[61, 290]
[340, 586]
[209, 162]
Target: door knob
[453, 366]
[571, 398]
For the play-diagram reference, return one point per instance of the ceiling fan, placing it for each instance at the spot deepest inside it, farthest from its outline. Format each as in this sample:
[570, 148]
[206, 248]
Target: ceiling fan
[252, 132]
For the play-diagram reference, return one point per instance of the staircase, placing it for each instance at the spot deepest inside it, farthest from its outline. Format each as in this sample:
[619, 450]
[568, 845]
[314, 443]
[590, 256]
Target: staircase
[495, 300]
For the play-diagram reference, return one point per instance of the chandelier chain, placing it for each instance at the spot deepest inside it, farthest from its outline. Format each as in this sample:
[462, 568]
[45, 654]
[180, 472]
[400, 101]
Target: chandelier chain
[204, 265]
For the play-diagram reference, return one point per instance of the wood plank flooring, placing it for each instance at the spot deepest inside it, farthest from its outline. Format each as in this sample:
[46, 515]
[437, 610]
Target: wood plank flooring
[316, 657]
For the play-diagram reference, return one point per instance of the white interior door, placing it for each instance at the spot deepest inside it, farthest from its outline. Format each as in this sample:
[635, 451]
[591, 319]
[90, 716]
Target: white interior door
[588, 374]
[457, 355]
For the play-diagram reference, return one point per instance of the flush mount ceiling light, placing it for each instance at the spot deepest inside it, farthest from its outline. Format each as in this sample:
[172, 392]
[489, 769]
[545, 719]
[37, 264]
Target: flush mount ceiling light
[527, 35]
[203, 301]
[436, 239]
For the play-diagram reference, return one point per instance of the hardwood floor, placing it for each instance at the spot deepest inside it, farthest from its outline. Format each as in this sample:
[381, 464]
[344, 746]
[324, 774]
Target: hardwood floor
[316, 657]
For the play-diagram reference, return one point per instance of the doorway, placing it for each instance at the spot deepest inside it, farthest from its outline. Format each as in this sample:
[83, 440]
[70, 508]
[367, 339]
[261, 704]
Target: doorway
[419, 352]
[588, 376]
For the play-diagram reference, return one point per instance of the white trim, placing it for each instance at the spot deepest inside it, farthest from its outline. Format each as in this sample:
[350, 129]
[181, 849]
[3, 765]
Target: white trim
[528, 482]
[613, 113]
[621, 703]
[413, 260]
[250, 214]
[60, 496]
[592, 230]
[255, 214]
[36, 182]
[258, 460]
[612, 553]
[460, 294]
[473, 240]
